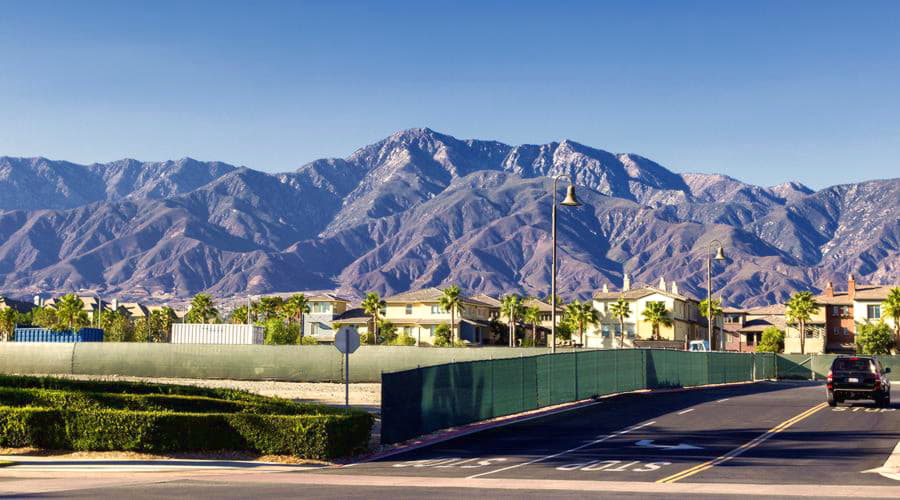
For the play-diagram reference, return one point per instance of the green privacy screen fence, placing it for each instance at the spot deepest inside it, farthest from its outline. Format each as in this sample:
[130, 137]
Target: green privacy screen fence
[422, 400]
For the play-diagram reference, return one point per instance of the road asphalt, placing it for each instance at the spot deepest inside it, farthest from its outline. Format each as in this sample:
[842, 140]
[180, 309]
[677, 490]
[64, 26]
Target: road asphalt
[767, 438]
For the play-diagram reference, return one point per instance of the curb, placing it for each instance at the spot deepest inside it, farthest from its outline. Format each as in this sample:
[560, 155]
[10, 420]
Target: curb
[452, 433]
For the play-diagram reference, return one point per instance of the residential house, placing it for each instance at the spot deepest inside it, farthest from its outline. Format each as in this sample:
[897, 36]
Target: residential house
[744, 327]
[834, 325]
[324, 309]
[355, 319]
[684, 311]
[19, 305]
[418, 314]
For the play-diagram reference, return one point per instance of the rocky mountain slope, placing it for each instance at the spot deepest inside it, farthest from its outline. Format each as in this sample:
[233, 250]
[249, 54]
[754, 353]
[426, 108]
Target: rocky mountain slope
[422, 208]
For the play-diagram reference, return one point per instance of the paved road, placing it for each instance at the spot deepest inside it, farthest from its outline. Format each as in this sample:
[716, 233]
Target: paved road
[766, 438]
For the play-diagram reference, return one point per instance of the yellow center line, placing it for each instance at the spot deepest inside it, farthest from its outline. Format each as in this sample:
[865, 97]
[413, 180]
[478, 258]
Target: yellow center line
[743, 448]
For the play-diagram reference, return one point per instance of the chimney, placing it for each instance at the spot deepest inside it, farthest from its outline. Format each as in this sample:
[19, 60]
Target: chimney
[37, 301]
[851, 287]
[115, 305]
[662, 284]
[674, 287]
[605, 288]
[829, 289]
[626, 283]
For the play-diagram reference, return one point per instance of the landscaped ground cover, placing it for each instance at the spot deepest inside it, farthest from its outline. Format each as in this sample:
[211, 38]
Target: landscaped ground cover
[54, 413]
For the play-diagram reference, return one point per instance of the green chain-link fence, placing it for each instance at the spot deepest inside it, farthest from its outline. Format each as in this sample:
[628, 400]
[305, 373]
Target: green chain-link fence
[419, 401]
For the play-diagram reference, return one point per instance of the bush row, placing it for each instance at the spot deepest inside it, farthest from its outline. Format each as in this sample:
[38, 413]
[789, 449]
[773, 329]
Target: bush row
[73, 400]
[321, 437]
[125, 387]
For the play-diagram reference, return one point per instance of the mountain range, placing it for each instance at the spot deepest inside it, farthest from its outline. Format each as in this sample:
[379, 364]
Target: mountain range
[420, 209]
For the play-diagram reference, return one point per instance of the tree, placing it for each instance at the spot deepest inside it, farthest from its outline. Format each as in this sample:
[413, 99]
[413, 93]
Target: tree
[874, 338]
[712, 310]
[799, 310]
[9, 317]
[268, 308]
[279, 333]
[451, 302]
[373, 305]
[656, 314]
[160, 324]
[388, 332]
[44, 317]
[295, 307]
[620, 310]
[442, 336]
[117, 327]
[511, 307]
[238, 315]
[581, 315]
[202, 309]
[772, 340]
[532, 315]
[892, 310]
[70, 313]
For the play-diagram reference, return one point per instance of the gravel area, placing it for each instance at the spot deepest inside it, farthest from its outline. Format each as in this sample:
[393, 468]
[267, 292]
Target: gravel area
[363, 396]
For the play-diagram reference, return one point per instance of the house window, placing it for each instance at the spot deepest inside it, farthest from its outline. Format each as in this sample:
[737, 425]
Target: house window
[750, 338]
[629, 331]
[604, 331]
[407, 330]
[321, 307]
[874, 311]
[408, 309]
[436, 310]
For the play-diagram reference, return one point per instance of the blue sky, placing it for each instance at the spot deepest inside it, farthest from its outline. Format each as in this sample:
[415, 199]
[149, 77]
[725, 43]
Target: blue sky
[763, 91]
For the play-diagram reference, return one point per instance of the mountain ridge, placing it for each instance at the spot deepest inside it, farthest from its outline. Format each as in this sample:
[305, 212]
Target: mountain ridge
[420, 208]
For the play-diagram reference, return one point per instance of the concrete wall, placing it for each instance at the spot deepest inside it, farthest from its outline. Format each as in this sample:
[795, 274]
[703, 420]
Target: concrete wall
[242, 362]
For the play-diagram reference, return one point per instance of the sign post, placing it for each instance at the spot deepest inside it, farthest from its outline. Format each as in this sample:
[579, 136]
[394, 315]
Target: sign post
[347, 342]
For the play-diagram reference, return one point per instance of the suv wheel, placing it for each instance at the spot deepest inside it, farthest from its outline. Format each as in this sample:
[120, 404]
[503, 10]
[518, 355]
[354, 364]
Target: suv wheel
[831, 400]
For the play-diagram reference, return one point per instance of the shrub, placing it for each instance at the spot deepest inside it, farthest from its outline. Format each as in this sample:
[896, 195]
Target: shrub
[404, 340]
[874, 338]
[279, 333]
[308, 340]
[772, 340]
[80, 415]
[319, 437]
[442, 335]
[387, 332]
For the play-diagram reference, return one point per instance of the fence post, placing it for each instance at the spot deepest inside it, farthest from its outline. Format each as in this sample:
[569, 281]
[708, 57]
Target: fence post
[576, 375]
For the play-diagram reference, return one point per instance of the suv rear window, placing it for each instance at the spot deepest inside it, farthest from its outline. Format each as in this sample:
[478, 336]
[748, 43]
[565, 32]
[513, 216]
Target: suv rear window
[852, 365]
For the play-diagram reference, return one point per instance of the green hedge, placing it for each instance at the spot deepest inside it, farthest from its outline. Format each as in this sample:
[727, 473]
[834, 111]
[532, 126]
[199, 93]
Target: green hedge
[47, 412]
[50, 398]
[320, 437]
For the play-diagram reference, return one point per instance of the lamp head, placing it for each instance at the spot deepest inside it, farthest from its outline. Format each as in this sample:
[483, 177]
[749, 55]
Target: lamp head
[720, 253]
[571, 200]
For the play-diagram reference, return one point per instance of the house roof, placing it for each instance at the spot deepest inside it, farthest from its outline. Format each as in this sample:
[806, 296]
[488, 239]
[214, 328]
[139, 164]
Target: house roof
[863, 292]
[733, 310]
[541, 305]
[19, 305]
[486, 299]
[327, 297]
[639, 293]
[760, 324]
[353, 316]
[431, 294]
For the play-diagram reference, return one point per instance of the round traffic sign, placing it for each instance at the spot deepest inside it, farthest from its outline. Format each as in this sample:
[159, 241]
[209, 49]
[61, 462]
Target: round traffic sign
[346, 341]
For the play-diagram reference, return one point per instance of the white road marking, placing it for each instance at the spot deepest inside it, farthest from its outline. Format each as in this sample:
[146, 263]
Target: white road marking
[685, 411]
[648, 443]
[548, 457]
[891, 467]
[722, 400]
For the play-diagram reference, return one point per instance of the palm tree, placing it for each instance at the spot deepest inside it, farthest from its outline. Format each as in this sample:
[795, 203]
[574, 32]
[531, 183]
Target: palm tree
[713, 308]
[532, 315]
[620, 310]
[800, 309]
[8, 319]
[202, 309]
[373, 306]
[296, 307]
[582, 314]
[70, 313]
[892, 310]
[452, 302]
[656, 314]
[511, 308]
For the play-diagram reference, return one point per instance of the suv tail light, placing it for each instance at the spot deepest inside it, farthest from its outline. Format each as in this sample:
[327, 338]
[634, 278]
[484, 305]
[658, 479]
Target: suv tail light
[830, 380]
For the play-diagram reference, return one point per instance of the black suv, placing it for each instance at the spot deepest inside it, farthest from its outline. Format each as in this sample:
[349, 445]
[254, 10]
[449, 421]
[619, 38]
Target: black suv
[858, 377]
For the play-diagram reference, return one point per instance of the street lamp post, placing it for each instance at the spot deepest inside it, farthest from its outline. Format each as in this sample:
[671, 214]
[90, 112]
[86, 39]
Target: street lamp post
[720, 255]
[570, 201]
